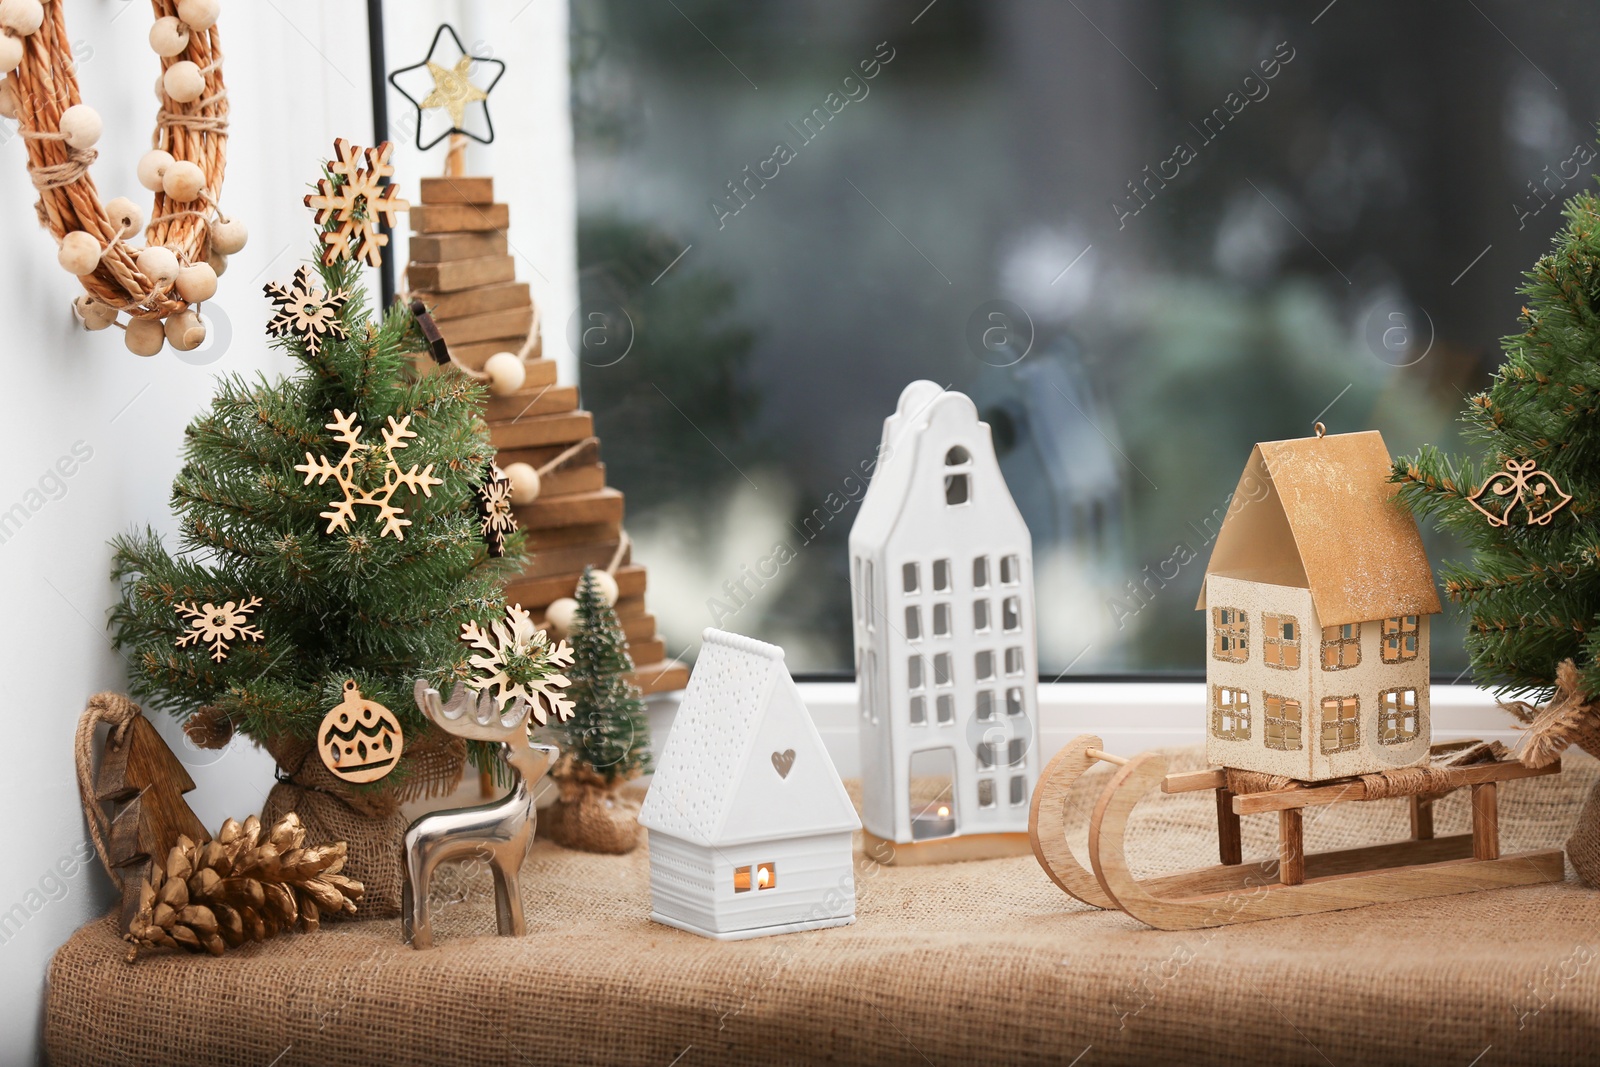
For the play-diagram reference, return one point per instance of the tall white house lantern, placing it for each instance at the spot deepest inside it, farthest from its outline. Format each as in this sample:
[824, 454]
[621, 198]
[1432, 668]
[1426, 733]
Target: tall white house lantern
[1317, 600]
[749, 824]
[941, 566]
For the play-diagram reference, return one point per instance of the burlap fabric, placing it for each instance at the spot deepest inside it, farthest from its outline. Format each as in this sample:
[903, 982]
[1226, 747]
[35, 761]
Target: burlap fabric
[594, 820]
[1583, 847]
[370, 823]
[968, 963]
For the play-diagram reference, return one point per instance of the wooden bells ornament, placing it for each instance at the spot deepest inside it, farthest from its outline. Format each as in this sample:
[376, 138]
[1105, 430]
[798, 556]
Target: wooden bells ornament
[187, 239]
[359, 740]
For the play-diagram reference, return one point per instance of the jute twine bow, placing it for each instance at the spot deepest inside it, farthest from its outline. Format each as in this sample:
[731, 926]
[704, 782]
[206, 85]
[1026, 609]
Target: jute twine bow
[1568, 717]
[118, 711]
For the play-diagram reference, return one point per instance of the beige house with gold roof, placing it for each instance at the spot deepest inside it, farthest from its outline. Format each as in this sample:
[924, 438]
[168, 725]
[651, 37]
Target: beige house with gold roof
[1317, 598]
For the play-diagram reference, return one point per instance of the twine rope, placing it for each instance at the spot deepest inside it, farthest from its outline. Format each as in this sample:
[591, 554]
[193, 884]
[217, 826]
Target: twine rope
[117, 711]
[620, 554]
[568, 453]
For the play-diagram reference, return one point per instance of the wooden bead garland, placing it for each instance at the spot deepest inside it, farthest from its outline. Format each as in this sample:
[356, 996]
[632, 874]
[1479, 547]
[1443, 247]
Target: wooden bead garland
[561, 614]
[184, 170]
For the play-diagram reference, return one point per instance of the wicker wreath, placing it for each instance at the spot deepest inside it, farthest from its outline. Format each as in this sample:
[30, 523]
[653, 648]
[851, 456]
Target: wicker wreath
[188, 238]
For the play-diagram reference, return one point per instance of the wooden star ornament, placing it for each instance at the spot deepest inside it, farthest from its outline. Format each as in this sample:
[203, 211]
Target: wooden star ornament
[453, 89]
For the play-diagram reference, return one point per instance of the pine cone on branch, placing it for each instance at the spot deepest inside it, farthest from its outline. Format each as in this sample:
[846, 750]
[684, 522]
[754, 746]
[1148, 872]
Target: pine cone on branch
[239, 887]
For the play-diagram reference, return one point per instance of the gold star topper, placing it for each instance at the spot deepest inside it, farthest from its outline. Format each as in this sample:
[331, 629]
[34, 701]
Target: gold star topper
[453, 90]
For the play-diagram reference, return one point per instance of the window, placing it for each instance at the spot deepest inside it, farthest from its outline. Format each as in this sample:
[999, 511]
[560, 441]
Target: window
[988, 753]
[985, 705]
[985, 792]
[1011, 614]
[1019, 789]
[1398, 721]
[1399, 639]
[1013, 661]
[1280, 641]
[1018, 751]
[1010, 570]
[1231, 635]
[1280, 722]
[941, 619]
[858, 594]
[1341, 724]
[958, 477]
[765, 876]
[870, 697]
[914, 672]
[913, 623]
[980, 615]
[945, 709]
[1014, 701]
[1341, 646]
[983, 665]
[910, 577]
[980, 572]
[919, 710]
[941, 669]
[1230, 713]
[941, 576]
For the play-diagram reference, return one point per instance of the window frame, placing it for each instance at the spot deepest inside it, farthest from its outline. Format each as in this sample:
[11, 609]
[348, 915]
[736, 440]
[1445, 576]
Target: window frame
[1238, 710]
[1352, 702]
[1278, 724]
[1390, 713]
[1273, 641]
[1224, 631]
[1341, 644]
[1397, 637]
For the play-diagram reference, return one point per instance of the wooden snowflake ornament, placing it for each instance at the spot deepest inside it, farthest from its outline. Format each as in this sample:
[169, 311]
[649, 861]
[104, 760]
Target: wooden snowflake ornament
[352, 201]
[306, 312]
[217, 626]
[520, 662]
[494, 510]
[346, 473]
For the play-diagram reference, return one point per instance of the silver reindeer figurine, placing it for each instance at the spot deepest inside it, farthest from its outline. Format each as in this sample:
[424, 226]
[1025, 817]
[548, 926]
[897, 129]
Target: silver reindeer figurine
[502, 831]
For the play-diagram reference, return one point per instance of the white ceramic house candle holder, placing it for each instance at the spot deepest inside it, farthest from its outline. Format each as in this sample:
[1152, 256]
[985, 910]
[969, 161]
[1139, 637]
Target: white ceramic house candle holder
[750, 826]
[946, 665]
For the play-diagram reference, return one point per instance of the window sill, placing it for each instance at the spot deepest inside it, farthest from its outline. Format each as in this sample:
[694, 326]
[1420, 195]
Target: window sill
[1128, 716]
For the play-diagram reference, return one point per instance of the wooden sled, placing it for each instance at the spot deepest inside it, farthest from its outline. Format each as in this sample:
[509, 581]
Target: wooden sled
[1292, 883]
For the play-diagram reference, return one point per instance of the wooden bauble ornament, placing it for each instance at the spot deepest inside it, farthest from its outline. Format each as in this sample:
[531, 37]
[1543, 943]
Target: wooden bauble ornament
[506, 373]
[184, 82]
[198, 14]
[197, 283]
[93, 314]
[359, 740]
[524, 483]
[228, 236]
[79, 253]
[125, 216]
[144, 337]
[159, 265]
[185, 331]
[22, 17]
[217, 262]
[81, 126]
[183, 181]
[560, 615]
[168, 37]
[152, 165]
[606, 586]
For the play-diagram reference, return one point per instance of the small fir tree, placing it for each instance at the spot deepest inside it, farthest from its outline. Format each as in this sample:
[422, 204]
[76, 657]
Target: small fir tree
[1532, 588]
[349, 591]
[608, 734]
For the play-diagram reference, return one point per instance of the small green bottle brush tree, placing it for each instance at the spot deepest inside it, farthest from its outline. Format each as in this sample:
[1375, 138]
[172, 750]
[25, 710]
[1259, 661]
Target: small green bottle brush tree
[606, 741]
[1527, 508]
[328, 533]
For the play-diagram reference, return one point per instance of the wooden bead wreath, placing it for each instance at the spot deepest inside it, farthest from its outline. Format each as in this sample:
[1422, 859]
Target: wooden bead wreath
[188, 239]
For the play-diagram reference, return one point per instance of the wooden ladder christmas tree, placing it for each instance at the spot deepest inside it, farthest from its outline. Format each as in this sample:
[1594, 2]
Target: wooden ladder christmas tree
[462, 269]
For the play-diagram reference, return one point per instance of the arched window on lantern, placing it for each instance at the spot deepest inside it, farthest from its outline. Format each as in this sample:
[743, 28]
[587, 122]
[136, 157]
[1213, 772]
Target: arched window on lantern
[957, 477]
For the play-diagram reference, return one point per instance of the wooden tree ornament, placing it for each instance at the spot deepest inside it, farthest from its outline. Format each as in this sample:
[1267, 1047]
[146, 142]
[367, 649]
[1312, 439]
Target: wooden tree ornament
[188, 238]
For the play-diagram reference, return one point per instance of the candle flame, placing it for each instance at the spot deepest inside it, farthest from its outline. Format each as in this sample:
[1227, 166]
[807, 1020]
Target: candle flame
[944, 811]
[764, 876]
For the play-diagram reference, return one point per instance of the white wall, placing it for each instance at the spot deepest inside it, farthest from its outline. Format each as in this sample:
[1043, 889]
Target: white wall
[298, 77]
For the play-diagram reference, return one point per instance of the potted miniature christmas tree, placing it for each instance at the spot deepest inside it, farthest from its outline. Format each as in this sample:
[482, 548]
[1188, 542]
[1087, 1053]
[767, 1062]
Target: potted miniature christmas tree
[331, 548]
[607, 739]
[1527, 509]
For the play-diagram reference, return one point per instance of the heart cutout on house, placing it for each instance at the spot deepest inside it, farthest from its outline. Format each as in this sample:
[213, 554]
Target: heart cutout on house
[782, 761]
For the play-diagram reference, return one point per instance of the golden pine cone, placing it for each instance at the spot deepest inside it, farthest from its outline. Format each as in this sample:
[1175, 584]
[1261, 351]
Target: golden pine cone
[238, 887]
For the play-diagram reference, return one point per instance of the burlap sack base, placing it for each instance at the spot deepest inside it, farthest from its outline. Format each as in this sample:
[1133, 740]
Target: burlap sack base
[979, 962]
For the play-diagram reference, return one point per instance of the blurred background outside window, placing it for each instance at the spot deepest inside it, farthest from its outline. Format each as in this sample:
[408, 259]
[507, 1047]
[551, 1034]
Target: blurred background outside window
[1141, 235]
